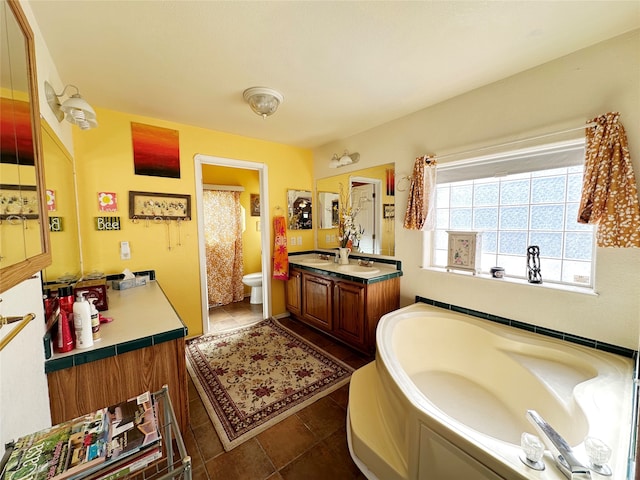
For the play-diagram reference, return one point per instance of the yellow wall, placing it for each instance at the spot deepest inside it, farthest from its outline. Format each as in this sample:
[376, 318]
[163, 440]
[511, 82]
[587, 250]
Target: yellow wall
[104, 158]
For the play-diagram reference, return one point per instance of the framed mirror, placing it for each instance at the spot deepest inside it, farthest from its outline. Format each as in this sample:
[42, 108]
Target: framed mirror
[371, 191]
[328, 209]
[299, 209]
[62, 210]
[24, 239]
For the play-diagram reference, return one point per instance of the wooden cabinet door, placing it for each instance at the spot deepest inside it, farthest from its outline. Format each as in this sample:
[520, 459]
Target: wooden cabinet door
[293, 292]
[349, 325]
[317, 301]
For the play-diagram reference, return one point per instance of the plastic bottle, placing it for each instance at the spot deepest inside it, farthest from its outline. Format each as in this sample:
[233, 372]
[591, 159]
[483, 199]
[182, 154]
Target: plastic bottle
[95, 319]
[82, 322]
[65, 301]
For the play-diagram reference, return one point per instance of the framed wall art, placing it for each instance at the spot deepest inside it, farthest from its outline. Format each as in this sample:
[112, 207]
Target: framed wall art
[389, 210]
[255, 204]
[464, 251]
[18, 200]
[166, 206]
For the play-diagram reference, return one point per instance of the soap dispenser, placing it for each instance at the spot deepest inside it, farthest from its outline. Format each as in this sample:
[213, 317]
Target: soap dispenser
[82, 321]
[95, 319]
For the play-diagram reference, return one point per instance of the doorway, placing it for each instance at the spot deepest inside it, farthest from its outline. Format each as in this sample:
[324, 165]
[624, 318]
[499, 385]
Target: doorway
[365, 195]
[201, 160]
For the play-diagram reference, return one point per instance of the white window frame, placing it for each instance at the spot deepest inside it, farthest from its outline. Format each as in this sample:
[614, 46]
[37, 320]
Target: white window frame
[546, 157]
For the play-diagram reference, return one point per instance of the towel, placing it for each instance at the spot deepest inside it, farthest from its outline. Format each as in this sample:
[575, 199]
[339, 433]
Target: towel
[280, 255]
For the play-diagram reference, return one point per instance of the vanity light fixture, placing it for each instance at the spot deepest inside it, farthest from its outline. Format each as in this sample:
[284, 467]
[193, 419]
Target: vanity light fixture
[345, 159]
[75, 109]
[263, 101]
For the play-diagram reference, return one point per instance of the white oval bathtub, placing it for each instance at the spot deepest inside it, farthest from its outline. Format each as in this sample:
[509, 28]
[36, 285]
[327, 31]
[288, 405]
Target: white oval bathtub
[447, 395]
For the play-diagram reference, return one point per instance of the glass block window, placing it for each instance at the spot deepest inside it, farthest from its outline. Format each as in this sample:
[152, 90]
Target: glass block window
[513, 211]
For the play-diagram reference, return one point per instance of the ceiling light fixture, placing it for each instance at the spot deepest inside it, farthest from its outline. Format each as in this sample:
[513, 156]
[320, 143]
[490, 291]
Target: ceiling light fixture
[262, 100]
[74, 109]
[345, 159]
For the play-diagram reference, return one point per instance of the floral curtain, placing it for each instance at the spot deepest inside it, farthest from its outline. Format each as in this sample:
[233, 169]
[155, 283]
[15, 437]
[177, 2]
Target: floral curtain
[609, 192]
[420, 213]
[223, 246]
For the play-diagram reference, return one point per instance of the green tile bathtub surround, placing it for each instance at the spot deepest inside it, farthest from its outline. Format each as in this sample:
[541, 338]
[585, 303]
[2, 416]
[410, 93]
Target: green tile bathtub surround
[587, 342]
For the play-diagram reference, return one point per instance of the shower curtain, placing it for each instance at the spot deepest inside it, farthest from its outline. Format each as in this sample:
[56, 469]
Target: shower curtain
[223, 246]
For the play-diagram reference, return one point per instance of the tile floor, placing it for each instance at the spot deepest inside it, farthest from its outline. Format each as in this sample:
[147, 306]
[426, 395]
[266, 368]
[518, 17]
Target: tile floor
[308, 445]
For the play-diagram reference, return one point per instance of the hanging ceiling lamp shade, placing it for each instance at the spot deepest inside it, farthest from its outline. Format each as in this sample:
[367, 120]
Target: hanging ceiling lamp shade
[262, 100]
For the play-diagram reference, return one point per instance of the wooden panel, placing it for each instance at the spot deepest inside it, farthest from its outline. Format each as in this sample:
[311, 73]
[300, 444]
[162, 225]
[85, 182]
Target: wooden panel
[382, 298]
[293, 292]
[317, 301]
[77, 390]
[349, 321]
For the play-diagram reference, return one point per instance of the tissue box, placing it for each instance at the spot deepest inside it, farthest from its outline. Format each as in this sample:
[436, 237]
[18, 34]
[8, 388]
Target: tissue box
[95, 289]
[129, 283]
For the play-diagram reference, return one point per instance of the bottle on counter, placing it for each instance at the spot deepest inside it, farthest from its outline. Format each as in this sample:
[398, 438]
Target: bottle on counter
[65, 302]
[82, 322]
[95, 319]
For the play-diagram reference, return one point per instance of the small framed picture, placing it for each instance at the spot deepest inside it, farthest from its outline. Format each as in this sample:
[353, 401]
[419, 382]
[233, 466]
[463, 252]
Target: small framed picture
[255, 204]
[389, 210]
[464, 251]
[165, 206]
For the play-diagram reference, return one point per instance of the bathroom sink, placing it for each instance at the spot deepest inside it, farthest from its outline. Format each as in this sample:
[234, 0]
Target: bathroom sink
[314, 262]
[359, 269]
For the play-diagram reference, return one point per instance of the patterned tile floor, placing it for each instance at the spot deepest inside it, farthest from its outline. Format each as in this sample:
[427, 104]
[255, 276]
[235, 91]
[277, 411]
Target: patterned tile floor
[308, 445]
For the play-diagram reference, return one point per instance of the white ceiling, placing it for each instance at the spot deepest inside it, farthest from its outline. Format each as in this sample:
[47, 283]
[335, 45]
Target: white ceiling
[342, 66]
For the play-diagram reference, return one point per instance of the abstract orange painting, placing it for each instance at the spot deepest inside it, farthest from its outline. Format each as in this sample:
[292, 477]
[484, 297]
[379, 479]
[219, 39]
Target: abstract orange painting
[156, 151]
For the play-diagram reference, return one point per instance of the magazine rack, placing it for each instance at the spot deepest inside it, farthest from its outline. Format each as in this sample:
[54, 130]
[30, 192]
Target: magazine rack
[175, 462]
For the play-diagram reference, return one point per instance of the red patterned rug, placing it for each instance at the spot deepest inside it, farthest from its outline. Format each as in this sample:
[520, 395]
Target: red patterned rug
[252, 378]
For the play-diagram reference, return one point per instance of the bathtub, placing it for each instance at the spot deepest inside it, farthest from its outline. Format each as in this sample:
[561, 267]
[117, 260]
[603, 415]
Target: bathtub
[447, 395]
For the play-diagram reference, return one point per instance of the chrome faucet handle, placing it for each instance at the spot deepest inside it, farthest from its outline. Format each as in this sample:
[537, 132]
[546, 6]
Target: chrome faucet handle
[566, 461]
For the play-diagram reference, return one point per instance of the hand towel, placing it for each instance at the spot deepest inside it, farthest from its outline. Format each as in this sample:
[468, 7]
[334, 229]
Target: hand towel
[280, 255]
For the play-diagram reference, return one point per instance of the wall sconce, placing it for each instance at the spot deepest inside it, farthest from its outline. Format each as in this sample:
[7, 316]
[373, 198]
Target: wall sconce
[262, 100]
[345, 159]
[74, 109]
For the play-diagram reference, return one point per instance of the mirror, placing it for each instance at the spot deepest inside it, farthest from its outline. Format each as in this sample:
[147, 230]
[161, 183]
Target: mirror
[299, 209]
[61, 209]
[328, 210]
[24, 239]
[372, 193]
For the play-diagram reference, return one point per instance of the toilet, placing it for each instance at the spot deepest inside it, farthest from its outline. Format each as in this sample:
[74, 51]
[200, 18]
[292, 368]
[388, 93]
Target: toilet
[254, 280]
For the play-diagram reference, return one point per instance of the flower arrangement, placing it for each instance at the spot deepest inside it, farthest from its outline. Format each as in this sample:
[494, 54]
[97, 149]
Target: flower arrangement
[348, 233]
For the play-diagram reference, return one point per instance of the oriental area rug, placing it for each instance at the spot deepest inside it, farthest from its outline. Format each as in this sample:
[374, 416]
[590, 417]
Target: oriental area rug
[251, 378]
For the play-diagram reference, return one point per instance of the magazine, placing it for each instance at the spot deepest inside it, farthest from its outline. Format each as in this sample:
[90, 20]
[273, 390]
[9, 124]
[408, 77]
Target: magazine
[85, 444]
[129, 465]
[61, 451]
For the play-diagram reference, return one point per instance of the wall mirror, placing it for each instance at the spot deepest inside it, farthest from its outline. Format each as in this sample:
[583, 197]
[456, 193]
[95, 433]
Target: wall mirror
[372, 192]
[328, 209]
[299, 209]
[61, 208]
[24, 239]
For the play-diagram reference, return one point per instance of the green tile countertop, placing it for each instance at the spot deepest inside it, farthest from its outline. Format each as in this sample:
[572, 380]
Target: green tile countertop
[380, 270]
[142, 317]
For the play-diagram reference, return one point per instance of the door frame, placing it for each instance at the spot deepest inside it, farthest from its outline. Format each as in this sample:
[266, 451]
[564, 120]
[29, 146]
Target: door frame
[265, 233]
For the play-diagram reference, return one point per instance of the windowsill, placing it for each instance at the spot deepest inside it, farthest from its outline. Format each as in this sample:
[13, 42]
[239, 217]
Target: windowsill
[517, 281]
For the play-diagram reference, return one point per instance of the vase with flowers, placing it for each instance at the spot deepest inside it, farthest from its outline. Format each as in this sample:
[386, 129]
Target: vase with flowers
[348, 232]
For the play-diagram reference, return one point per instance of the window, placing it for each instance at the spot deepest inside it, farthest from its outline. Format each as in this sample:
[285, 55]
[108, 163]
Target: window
[522, 198]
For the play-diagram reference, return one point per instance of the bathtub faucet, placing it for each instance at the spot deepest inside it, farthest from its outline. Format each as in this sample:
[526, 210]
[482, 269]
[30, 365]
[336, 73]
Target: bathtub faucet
[568, 464]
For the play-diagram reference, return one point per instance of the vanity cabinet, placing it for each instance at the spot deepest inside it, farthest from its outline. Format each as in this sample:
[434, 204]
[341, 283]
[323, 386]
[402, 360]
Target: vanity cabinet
[346, 309]
[317, 301]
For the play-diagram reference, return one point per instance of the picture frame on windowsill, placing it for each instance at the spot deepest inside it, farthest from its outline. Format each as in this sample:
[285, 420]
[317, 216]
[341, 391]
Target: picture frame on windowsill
[464, 250]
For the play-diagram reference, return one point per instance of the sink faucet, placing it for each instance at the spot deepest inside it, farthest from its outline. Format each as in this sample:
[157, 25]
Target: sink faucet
[566, 461]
